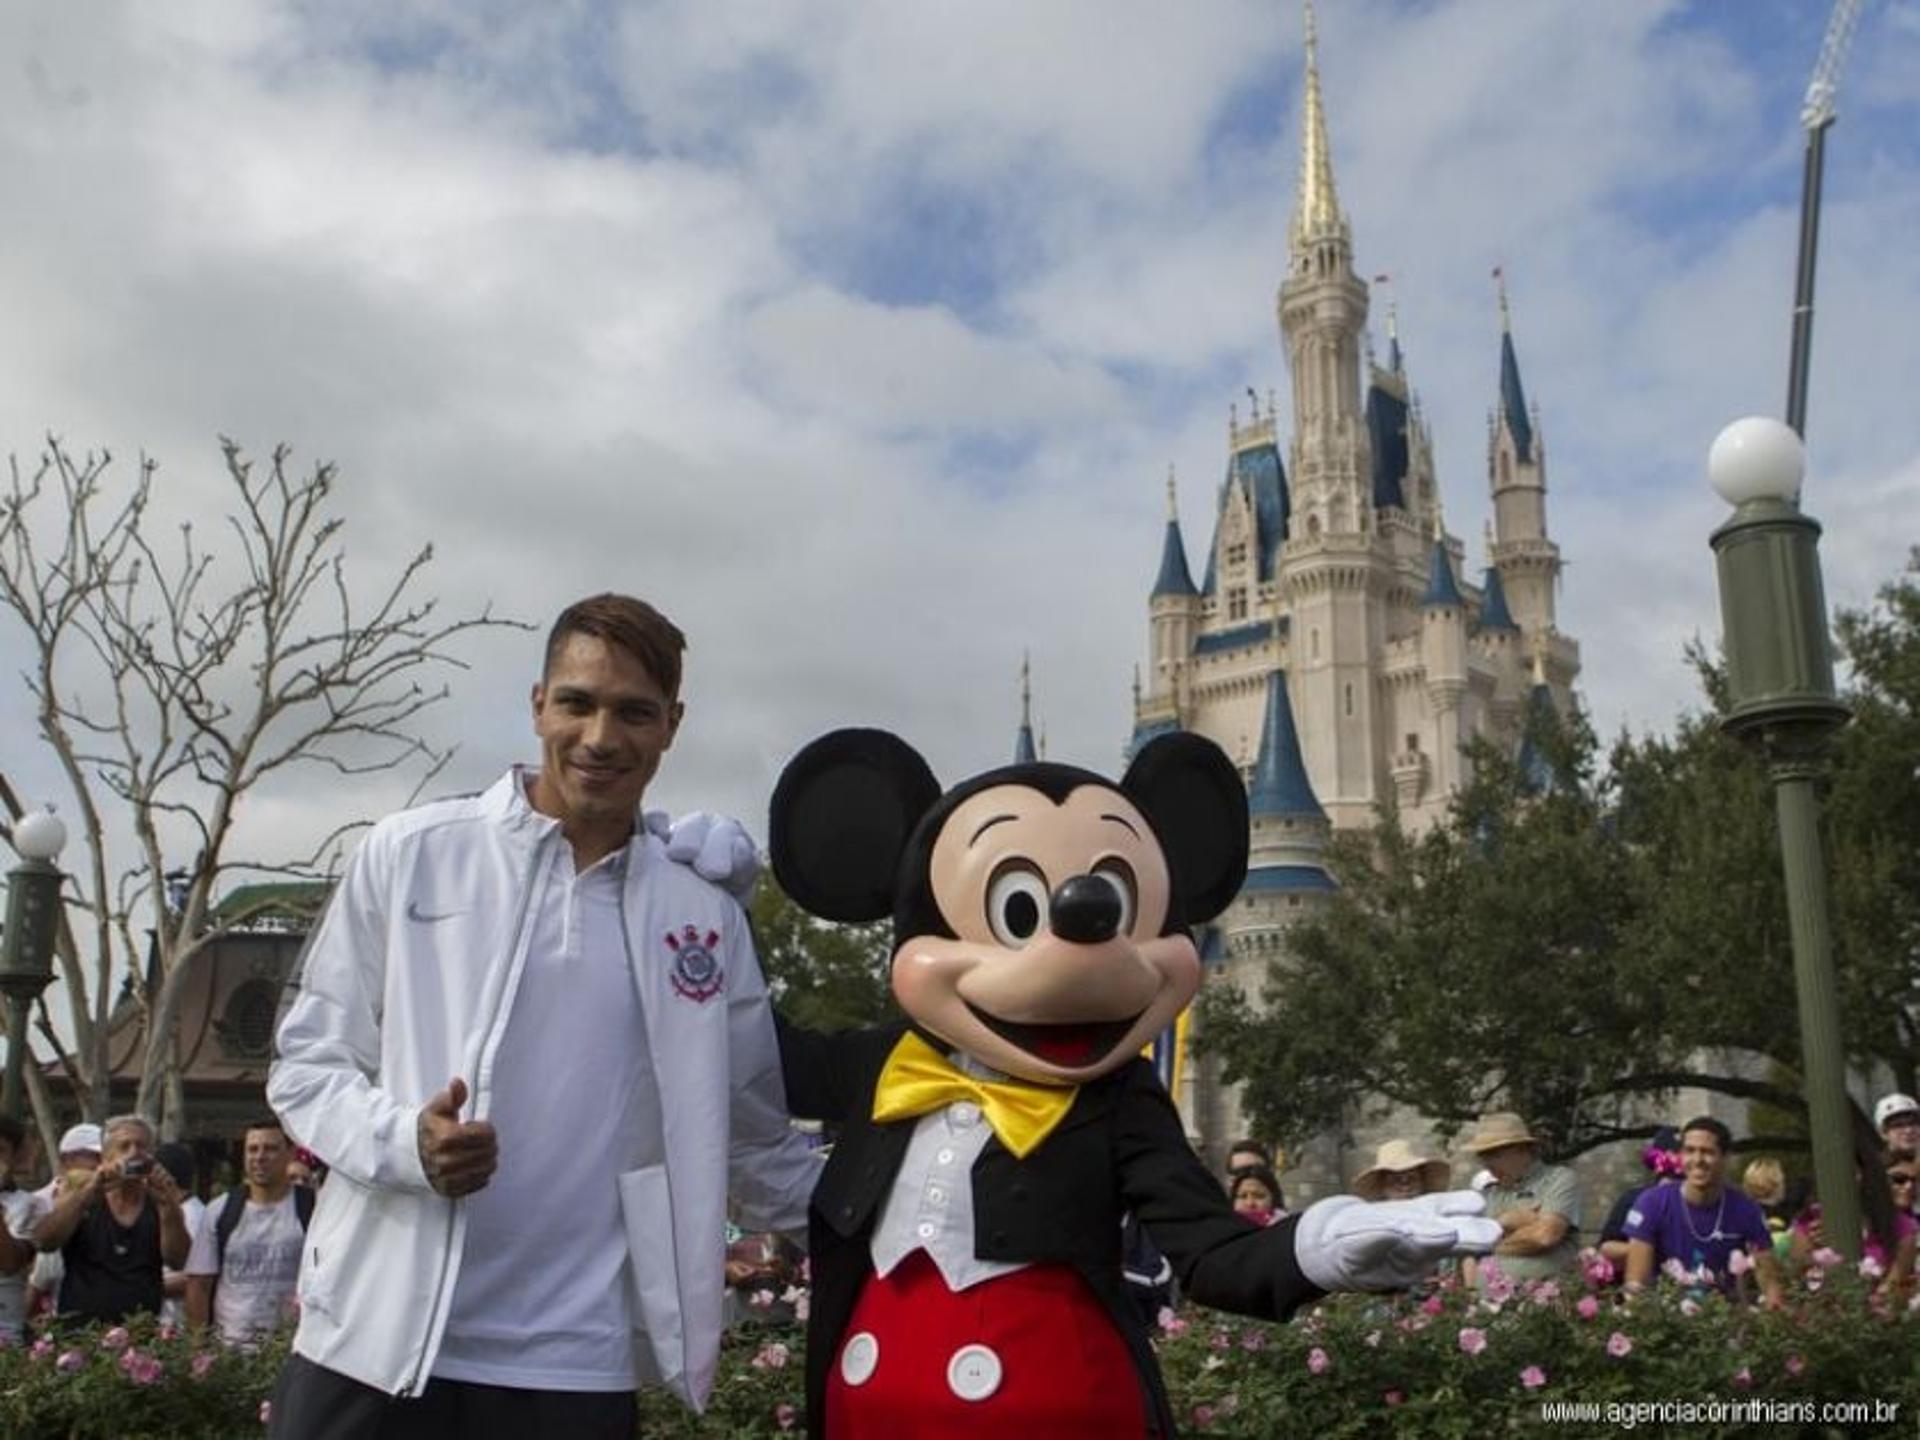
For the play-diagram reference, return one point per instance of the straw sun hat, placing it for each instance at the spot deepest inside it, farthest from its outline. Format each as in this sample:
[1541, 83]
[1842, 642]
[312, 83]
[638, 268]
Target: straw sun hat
[1396, 1157]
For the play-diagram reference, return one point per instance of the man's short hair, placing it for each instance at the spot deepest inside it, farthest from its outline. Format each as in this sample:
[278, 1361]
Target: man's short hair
[1714, 1128]
[1250, 1147]
[627, 624]
[126, 1122]
[267, 1122]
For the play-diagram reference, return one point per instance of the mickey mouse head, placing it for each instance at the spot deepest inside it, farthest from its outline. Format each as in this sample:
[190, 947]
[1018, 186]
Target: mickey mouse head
[1040, 911]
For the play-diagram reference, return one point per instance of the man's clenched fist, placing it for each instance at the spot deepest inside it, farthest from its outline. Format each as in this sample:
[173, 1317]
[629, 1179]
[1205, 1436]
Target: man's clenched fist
[458, 1156]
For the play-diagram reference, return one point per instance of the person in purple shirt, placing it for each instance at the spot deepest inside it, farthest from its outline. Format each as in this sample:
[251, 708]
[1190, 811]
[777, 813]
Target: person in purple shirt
[1702, 1221]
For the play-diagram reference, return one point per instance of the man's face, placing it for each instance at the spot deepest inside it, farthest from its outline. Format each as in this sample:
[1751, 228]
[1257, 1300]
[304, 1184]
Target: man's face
[267, 1157]
[1902, 1131]
[129, 1142]
[1509, 1162]
[1240, 1159]
[1704, 1161]
[603, 723]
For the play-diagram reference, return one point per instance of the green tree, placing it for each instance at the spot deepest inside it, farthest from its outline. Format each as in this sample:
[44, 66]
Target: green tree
[822, 976]
[1573, 950]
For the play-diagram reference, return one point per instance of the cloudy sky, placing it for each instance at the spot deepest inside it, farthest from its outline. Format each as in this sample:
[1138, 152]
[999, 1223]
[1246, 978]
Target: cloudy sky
[860, 336]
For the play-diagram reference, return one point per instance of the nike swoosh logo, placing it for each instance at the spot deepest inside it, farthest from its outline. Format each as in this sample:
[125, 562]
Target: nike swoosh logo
[421, 917]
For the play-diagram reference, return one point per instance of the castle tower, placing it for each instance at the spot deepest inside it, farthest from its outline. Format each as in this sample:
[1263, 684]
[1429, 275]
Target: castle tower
[1528, 561]
[1174, 610]
[1023, 751]
[1443, 652]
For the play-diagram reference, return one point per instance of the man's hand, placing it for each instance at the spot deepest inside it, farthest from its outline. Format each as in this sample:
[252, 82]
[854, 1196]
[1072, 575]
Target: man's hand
[1346, 1243]
[161, 1187]
[458, 1156]
[717, 846]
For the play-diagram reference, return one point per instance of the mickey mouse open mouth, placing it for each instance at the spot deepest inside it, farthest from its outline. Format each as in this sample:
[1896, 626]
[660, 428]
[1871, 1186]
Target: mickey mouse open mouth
[1072, 1046]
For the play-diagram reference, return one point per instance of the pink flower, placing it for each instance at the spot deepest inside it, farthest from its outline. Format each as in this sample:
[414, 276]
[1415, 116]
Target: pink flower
[1253, 1340]
[266, 1411]
[1394, 1397]
[1545, 1292]
[761, 1299]
[1533, 1377]
[1739, 1263]
[802, 1306]
[1473, 1341]
[1826, 1258]
[1202, 1416]
[1433, 1304]
[1597, 1270]
[785, 1415]
[1743, 1378]
[772, 1356]
[1317, 1361]
[202, 1363]
[69, 1361]
[1689, 1307]
[42, 1348]
[1587, 1308]
[1795, 1364]
[1170, 1323]
[1222, 1340]
[140, 1367]
[1871, 1268]
[116, 1339]
[169, 1332]
[1675, 1271]
[1619, 1345]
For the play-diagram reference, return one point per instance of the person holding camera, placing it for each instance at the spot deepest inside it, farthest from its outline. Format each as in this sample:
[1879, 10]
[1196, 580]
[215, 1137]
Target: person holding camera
[116, 1228]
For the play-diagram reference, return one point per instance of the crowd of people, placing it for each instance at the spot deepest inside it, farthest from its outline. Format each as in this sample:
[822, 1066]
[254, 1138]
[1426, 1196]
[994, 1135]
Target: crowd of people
[119, 1231]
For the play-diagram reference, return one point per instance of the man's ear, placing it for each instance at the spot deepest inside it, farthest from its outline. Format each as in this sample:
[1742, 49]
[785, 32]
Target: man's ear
[842, 813]
[1193, 795]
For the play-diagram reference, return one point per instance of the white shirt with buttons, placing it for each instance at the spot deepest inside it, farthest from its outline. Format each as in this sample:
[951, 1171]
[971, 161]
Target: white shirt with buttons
[930, 1207]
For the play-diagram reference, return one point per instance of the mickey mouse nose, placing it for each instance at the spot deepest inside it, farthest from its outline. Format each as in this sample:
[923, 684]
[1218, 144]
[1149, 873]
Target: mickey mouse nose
[1085, 910]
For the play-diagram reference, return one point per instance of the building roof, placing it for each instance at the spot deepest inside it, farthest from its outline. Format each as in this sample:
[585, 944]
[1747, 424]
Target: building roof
[1254, 632]
[1494, 614]
[1259, 475]
[1513, 401]
[1387, 430]
[1442, 588]
[273, 903]
[1280, 785]
[1538, 774]
[1151, 730]
[1300, 879]
[1174, 578]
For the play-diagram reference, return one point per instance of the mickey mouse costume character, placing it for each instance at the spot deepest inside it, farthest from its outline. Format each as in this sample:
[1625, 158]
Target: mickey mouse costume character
[965, 1234]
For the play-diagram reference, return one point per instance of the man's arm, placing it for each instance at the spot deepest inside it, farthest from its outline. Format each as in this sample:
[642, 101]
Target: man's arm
[1768, 1271]
[1531, 1232]
[771, 1166]
[199, 1301]
[16, 1251]
[327, 1051]
[70, 1206]
[1639, 1264]
[175, 1240]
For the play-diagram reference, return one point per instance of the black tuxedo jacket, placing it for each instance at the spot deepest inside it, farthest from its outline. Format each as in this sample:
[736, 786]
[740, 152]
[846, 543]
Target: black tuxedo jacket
[1120, 1148]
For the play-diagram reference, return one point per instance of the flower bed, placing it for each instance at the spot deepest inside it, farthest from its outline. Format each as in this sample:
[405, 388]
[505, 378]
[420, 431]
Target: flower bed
[1447, 1364]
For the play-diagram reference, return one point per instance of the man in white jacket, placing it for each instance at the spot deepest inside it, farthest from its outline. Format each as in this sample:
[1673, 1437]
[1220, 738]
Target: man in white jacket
[537, 1056]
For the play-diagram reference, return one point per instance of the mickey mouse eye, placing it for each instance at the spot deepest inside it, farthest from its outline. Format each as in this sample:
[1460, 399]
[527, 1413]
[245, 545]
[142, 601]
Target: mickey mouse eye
[1016, 904]
[1119, 874]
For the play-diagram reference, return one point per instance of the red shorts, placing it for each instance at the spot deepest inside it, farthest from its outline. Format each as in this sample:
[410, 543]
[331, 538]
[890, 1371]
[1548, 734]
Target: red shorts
[1030, 1353]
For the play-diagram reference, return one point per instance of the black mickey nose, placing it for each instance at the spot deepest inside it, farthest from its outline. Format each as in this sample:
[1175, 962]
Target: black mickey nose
[1086, 910]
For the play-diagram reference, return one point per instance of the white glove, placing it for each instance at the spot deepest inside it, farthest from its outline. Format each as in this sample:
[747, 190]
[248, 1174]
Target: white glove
[717, 846]
[1346, 1243]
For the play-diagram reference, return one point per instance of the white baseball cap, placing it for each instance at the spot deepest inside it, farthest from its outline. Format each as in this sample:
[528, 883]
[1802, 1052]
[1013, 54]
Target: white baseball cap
[81, 1139]
[1892, 1105]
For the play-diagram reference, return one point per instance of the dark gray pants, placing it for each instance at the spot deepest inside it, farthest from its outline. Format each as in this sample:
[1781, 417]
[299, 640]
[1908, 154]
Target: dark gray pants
[311, 1402]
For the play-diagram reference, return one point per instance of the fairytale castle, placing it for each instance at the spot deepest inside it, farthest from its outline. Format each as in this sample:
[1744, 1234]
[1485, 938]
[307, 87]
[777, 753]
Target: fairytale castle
[1339, 647]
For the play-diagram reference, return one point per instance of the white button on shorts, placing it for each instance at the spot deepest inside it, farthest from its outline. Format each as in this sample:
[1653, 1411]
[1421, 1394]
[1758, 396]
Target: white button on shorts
[860, 1358]
[974, 1372]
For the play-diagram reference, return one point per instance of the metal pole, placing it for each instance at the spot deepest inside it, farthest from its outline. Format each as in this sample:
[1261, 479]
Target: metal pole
[1822, 1060]
[1798, 361]
[16, 1106]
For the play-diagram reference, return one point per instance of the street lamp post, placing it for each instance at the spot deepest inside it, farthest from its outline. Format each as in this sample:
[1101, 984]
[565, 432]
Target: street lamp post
[1779, 658]
[26, 945]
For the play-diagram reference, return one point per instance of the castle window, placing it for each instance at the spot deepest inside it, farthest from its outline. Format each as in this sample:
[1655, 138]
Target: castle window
[1413, 743]
[1313, 637]
[1506, 468]
[1237, 603]
[1236, 554]
[1349, 699]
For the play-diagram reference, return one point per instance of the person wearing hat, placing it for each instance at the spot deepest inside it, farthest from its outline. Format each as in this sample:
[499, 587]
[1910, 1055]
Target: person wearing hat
[1537, 1204]
[79, 1158]
[1897, 1118]
[1401, 1171]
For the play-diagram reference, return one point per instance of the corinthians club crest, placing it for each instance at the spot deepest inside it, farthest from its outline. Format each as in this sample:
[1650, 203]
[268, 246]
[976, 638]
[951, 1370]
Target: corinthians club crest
[696, 969]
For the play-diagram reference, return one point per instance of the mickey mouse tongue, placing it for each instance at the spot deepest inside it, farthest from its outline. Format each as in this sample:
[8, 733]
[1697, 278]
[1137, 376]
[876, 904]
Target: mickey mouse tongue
[1070, 1046]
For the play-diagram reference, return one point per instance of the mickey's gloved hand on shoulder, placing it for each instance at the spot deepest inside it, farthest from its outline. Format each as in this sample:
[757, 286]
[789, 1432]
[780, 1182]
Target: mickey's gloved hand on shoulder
[716, 846]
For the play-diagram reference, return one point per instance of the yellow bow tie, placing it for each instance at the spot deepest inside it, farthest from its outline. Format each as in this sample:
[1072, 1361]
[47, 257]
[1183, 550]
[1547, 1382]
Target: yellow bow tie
[917, 1078]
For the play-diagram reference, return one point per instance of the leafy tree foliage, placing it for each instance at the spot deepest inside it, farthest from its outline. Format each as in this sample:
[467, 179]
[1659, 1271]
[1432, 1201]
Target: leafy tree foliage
[822, 976]
[1570, 951]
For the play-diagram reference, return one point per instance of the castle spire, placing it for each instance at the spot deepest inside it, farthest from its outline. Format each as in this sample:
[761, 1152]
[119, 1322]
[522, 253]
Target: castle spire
[1280, 785]
[1318, 210]
[1174, 578]
[1513, 396]
[1023, 751]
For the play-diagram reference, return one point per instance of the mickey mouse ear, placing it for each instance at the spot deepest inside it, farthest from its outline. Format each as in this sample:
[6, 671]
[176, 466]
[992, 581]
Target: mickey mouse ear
[841, 816]
[1194, 796]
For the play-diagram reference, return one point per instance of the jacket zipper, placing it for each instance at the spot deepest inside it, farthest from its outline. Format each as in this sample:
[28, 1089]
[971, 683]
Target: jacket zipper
[443, 1293]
